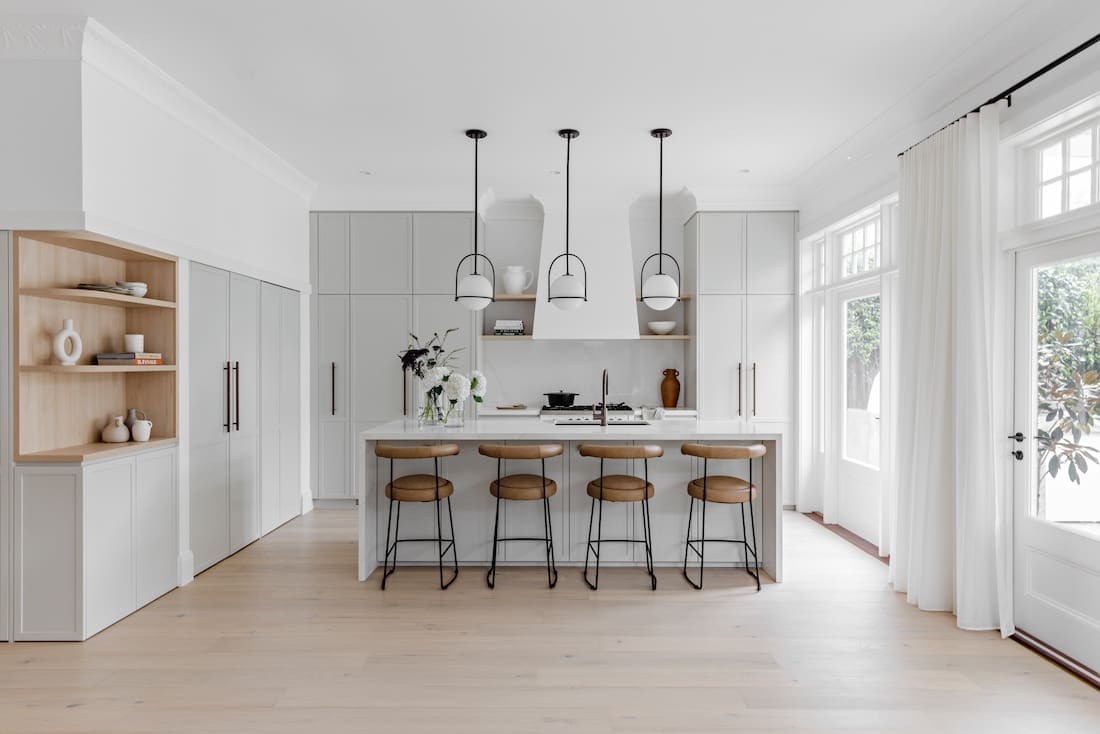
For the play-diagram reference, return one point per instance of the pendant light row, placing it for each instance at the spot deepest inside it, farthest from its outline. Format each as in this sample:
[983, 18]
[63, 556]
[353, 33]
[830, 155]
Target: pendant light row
[570, 289]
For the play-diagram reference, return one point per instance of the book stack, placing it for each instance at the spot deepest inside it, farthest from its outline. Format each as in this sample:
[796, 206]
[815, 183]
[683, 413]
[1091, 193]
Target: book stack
[129, 358]
[506, 327]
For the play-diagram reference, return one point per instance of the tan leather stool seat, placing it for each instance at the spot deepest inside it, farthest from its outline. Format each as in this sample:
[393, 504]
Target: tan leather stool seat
[522, 487]
[621, 488]
[728, 490]
[419, 488]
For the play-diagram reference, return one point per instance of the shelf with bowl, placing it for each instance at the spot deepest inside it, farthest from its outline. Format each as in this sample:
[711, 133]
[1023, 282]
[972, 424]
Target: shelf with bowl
[60, 407]
[97, 450]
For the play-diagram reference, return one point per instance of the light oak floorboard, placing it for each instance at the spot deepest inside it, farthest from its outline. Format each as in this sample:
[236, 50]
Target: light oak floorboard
[282, 638]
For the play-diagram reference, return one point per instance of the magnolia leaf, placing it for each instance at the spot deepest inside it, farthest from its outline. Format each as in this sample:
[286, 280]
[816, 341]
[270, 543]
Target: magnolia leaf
[1052, 466]
[1073, 474]
[1079, 460]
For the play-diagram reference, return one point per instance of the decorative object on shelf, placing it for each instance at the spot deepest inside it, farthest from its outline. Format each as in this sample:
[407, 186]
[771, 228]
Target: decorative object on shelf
[147, 359]
[475, 291]
[661, 327]
[133, 343]
[567, 291]
[516, 279]
[508, 327]
[660, 291]
[670, 388]
[105, 288]
[131, 417]
[136, 288]
[142, 429]
[67, 346]
[115, 431]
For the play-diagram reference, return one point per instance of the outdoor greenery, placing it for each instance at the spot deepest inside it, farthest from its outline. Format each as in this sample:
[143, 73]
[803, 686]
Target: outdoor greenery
[864, 348]
[1068, 373]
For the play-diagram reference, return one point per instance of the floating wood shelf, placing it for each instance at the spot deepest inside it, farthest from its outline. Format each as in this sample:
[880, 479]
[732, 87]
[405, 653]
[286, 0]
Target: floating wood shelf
[94, 368]
[666, 337]
[496, 337]
[101, 298]
[90, 451]
[520, 297]
[683, 297]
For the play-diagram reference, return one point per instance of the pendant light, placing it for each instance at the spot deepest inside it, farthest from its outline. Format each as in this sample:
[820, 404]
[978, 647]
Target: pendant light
[568, 290]
[475, 291]
[660, 291]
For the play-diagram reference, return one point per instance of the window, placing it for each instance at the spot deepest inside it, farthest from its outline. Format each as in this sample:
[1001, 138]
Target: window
[860, 247]
[1067, 171]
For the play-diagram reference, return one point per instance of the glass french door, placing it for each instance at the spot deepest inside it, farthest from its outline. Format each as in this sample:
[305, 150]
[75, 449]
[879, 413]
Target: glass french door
[857, 414]
[1056, 539]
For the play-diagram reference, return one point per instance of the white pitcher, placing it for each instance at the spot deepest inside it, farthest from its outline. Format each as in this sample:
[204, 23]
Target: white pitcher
[516, 279]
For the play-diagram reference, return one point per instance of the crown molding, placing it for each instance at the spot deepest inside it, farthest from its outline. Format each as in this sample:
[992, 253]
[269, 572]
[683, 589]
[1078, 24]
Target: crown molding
[112, 57]
[41, 37]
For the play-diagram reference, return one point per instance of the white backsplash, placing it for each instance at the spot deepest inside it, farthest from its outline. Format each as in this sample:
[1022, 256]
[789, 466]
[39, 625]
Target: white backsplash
[521, 371]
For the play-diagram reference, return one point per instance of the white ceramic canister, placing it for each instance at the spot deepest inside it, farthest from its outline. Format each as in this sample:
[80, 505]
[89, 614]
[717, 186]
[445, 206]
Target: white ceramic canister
[142, 430]
[116, 431]
[515, 279]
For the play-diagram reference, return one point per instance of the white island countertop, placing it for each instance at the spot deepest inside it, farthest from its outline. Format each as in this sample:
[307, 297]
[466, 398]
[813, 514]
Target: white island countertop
[571, 507]
[529, 428]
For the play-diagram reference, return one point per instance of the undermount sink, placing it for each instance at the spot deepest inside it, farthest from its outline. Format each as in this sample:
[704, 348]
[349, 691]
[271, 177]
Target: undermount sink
[596, 422]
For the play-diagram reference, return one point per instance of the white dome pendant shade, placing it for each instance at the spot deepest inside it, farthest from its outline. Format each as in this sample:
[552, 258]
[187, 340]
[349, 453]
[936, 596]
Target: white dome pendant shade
[569, 290]
[660, 291]
[475, 291]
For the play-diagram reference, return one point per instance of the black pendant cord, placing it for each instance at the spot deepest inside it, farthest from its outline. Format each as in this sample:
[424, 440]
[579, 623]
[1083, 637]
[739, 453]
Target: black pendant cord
[475, 205]
[568, 144]
[661, 208]
[1007, 94]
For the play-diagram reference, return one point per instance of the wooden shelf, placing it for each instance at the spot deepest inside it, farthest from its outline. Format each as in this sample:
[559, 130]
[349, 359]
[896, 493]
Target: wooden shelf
[494, 337]
[96, 368]
[666, 337]
[683, 297]
[520, 297]
[96, 297]
[90, 451]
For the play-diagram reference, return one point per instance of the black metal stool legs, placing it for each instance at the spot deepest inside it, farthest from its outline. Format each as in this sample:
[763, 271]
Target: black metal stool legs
[491, 575]
[589, 549]
[450, 545]
[443, 544]
[547, 539]
[698, 545]
[594, 546]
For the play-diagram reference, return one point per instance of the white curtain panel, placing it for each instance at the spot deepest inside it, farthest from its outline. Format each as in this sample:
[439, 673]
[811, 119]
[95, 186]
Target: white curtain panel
[951, 539]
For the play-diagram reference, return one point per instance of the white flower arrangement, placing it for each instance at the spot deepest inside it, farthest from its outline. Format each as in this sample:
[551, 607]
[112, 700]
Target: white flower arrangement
[478, 386]
[457, 387]
[431, 364]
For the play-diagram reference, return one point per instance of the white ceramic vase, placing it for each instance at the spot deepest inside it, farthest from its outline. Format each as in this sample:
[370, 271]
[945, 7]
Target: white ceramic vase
[115, 431]
[62, 341]
[142, 430]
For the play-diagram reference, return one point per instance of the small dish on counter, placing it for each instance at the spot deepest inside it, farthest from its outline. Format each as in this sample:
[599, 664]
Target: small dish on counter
[661, 328]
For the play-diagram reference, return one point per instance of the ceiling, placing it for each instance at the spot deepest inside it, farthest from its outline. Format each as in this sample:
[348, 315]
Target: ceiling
[756, 93]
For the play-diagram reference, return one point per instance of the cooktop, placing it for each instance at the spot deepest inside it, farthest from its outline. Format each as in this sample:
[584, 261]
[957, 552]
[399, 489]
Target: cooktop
[611, 408]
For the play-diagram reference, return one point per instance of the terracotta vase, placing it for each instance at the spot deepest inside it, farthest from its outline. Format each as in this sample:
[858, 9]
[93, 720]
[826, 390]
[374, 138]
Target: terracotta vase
[670, 388]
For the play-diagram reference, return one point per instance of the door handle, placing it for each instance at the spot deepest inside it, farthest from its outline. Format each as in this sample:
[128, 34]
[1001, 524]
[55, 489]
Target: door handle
[237, 396]
[334, 388]
[1017, 454]
[738, 389]
[227, 390]
[1017, 437]
[754, 389]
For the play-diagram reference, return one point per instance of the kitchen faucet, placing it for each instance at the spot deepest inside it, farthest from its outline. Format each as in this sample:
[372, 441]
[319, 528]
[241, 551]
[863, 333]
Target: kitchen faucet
[603, 401]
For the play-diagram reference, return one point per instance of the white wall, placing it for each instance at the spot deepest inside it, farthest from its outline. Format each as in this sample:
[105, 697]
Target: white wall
[6, 414]
[40, 185]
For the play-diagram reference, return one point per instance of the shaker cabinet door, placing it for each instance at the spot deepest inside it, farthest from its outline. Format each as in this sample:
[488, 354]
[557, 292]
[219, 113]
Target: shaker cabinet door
[721, 243]
[771, 246]
[770, 375]
[381, 252]
[380, 327]
[440, 240]
[332, 252]
[721, 367]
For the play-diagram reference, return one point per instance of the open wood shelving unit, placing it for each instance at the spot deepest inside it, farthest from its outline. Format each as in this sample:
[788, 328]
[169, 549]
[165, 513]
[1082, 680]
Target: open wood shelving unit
[59, 410]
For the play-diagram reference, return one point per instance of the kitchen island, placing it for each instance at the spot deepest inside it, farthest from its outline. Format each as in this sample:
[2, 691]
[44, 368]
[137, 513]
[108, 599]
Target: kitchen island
[474, 507]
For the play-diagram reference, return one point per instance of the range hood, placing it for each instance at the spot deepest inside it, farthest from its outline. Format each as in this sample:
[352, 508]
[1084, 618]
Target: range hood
[600, 234]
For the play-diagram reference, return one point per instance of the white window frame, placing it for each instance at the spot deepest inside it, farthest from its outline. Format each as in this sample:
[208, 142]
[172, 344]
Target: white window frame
[1030, 182]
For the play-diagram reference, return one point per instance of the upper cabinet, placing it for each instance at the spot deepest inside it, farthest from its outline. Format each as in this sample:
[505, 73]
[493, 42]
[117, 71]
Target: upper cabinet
[381, 252]
[770, 252]
[743, 252]
[440, 239]
[331, 271]
[721, 252]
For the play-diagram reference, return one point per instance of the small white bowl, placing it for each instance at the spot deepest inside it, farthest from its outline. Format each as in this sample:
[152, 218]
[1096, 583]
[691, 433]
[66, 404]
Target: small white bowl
[136, 287]
[661, 327]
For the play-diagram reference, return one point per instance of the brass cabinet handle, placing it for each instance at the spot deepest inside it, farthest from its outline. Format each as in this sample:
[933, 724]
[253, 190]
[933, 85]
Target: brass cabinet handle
[237, 370]
[739, 389]
[228, 389]
[754, 389]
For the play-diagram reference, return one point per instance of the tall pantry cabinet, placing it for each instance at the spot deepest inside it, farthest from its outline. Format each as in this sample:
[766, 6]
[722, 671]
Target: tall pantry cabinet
[378, 277]
[244, 346]
[744, 314]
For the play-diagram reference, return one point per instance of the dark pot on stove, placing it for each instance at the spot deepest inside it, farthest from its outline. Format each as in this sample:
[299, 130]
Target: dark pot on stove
[560, 399]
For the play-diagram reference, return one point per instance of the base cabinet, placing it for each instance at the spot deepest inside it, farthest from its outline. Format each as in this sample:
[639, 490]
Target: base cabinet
[92, 543]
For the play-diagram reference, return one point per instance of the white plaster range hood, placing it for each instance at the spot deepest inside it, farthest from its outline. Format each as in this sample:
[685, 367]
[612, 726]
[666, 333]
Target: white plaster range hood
[600, 235]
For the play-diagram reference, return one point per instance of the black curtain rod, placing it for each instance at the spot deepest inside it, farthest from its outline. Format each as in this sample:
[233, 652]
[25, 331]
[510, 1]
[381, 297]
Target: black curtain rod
[1007, 94]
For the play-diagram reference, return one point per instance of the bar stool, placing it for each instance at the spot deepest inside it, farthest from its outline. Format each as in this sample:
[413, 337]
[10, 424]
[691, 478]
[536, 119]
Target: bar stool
[619, 488]
[724, 490]
[419, 488]
[523, 488]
